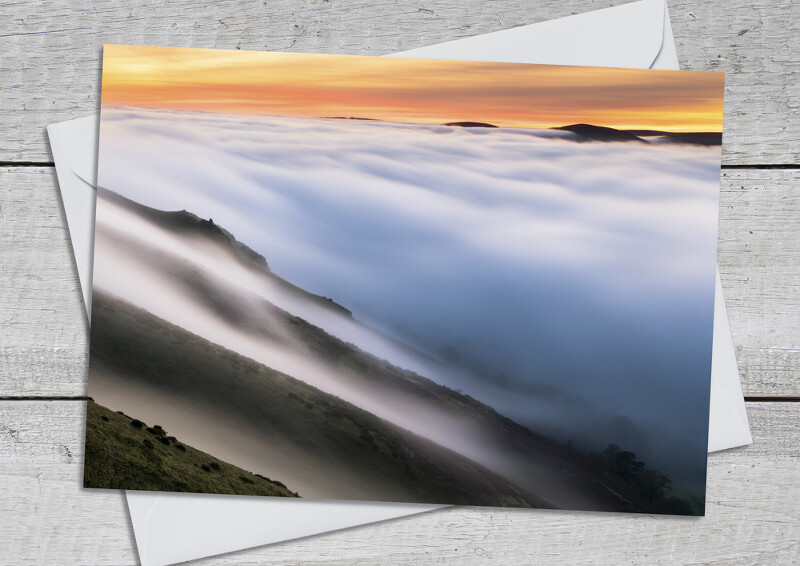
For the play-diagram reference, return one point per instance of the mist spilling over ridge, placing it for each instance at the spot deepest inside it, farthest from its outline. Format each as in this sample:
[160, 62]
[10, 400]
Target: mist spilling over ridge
[586, 264]
[209, 395]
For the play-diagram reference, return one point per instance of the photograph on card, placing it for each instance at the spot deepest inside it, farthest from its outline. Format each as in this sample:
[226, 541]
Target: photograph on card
[404, 280]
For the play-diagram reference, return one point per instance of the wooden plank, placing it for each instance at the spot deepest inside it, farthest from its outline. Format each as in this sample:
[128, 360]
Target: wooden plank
[759, 261]
[753, 512]
[757, 46]
[44, 343]
[45, 516]
[43, 347]
[50, 52]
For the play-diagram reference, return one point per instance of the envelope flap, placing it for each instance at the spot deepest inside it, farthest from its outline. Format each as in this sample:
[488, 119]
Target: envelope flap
[630, 35]
[71, 140]
[165, 536]
[74, 148]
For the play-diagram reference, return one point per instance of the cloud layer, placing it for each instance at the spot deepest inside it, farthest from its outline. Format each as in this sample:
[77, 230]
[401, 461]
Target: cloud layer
[575, 279]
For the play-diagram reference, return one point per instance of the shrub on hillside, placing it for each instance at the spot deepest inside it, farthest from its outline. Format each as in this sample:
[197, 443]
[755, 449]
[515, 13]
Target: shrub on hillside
[156, 431]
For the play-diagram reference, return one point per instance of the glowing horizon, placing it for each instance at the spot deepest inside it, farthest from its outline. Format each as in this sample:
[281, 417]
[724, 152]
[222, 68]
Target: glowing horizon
[410, 90]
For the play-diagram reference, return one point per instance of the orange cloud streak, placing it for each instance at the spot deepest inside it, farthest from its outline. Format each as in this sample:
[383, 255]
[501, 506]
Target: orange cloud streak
[413, 90]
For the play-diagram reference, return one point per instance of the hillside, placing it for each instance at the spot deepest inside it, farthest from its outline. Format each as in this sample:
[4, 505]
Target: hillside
[124, 453]
[185, 223]
[317, 428]
[534, 461]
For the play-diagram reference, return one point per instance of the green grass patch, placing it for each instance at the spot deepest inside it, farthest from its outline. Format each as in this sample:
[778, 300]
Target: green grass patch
[123, 453]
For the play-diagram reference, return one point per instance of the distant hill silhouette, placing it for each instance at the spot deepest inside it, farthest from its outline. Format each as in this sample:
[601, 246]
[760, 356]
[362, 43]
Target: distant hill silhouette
[349, 118]
[696, 138]
[589, 132]
[470, 124]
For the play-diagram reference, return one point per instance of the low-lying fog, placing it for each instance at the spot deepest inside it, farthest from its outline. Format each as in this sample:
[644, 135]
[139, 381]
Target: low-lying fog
[570, 286]
[133, 252]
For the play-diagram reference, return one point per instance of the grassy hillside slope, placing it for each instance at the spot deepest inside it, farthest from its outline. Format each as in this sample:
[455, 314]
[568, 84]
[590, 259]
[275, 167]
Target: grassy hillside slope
[335, 434]
[124, 453]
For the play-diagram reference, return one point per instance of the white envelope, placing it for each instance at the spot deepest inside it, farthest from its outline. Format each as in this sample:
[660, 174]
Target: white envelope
[171, 528]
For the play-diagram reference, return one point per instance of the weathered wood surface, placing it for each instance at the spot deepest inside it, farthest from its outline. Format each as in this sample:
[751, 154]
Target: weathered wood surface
[44, 346]
[759, 261]
[752, 515]
[50, 51]
[49, 72]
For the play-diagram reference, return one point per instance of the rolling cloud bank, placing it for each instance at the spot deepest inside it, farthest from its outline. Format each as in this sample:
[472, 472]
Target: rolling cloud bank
[570, 286]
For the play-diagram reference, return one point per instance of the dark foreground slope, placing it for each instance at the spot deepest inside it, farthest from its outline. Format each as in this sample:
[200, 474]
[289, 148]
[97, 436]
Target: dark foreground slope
[326, 434]
[124, 453]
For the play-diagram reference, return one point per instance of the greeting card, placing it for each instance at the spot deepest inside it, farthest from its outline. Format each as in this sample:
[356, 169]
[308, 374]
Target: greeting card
[403, 280]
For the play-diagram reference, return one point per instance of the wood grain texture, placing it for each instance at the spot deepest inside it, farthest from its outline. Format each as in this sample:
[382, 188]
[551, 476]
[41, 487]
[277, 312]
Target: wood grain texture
[50, 51]
[751, 516]
[759, 261]
[43, 349]
[45, 343]
[50, 71]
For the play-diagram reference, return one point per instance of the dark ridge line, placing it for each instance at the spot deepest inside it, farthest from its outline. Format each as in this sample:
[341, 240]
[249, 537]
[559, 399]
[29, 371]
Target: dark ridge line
[772, 399]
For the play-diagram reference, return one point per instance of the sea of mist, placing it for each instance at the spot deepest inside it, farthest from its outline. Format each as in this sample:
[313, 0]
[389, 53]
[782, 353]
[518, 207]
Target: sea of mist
[568, 285]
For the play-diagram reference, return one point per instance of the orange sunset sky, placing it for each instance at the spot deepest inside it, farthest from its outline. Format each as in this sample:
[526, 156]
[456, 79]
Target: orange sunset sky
[410, 90]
